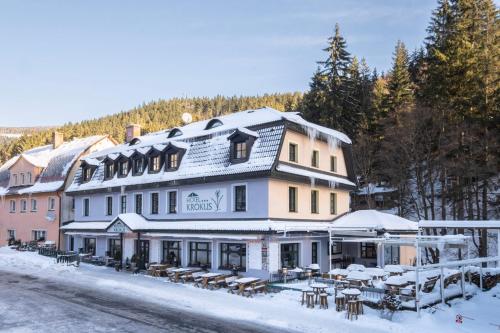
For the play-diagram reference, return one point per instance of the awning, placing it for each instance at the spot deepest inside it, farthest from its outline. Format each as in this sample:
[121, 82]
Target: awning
[205, 236]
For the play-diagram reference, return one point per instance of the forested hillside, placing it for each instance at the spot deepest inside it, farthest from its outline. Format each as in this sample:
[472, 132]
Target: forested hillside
[430, 126]
[152, 117]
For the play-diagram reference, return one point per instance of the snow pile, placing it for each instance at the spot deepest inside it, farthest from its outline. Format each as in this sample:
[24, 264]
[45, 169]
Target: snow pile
[372, 219]
[281, 310]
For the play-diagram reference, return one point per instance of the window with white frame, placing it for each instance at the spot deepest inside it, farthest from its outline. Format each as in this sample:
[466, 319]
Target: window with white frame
[52, 203]
[333, 163]
[12, 206]
[292, 152]
[11, 233]
[333, 203]
[39, 235]
[34, 205]
[315, 159]
[29, 177]
[23, 180]
[24, 204]
[15, 179]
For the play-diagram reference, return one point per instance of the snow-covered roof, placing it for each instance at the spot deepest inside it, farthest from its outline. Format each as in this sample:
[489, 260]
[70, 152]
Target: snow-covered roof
[333, 180]
[372, 219]
[56, 164]
[138, 222]
[492, 224]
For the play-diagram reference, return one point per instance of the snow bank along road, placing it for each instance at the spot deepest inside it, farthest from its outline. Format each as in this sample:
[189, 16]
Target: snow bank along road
[31, 304]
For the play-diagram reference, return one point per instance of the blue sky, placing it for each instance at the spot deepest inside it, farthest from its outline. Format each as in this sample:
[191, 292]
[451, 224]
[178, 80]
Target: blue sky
[66, 61]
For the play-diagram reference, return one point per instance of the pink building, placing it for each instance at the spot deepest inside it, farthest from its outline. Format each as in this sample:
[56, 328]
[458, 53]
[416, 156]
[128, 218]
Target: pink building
[33, 204]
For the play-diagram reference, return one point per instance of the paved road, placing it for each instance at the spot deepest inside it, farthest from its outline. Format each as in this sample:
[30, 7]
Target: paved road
[30, 304]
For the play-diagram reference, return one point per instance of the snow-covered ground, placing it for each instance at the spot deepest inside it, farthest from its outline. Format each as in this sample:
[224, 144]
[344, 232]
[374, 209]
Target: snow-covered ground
[283, 309]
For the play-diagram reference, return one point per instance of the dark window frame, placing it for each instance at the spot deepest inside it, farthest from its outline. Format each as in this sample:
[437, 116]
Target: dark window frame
[114, 249]
[154, 203]
[292, 152]
[87, 245]
[292, 199]
[195, 251]
[225, 253]
[368, 250]
[314, 252]
[315, 159]
[333, 203]
[177, 251]
[109, 205]
[289, 250]
[314, 202]
[109, 170]
[123, 204]
[151, 164]
[240, 198]
[138, 209]
[172, 202]
[333, 163]
[86, 207]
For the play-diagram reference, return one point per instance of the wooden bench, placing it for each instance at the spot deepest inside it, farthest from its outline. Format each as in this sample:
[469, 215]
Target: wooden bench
[218, 282]
[254, 288]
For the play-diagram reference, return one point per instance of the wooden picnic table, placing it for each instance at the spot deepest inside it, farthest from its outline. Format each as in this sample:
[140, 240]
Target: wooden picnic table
[207, 277]
[158, 269]
[244, 282]
[180, 271]
[318, 288]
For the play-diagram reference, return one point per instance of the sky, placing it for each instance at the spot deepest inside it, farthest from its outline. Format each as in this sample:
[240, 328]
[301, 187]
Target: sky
[63, 61]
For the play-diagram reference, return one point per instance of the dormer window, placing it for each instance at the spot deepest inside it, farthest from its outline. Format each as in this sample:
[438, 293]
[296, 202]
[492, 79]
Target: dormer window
[138, 165]
[123, 168]
[174, 132]
[242, 141]
[109, 170]
[213, 123]
[240, 150]
[155, 163]
[172, 161]
[87, 173]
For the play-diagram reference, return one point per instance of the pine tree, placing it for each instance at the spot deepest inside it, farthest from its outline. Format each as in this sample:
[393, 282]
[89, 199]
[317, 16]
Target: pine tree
[400, 97]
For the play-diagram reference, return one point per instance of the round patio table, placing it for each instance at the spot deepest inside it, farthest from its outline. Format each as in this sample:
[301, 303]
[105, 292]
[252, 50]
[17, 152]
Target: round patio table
[318, 288]
[351, 293]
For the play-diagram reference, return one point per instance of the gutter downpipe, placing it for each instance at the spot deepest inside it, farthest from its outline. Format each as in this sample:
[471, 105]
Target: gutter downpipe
[60, 222]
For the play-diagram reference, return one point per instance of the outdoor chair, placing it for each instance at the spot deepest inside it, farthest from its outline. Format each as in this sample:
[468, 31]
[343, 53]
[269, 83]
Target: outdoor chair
[323, 301]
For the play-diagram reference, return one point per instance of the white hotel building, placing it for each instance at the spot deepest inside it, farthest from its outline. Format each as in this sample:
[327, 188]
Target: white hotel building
[257, 189]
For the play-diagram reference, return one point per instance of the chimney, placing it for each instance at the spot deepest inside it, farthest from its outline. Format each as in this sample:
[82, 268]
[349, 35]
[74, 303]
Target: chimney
[133, 131]
[57, 139]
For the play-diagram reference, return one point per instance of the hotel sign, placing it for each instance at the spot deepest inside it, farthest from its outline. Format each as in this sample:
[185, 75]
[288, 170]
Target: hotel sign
[204, 201]
[119, 227]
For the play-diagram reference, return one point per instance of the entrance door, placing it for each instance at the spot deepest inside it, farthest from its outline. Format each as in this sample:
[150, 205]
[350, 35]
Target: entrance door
[144, 244]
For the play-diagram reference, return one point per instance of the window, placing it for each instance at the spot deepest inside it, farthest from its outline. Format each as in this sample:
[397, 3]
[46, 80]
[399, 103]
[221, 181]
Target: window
[172, 202]
[154, 163]
[314, 253]
[39, 235]
[123, 204]
[86, 207]
[315, 159]
[13, 206]
[89, 245]
[290, 255]
[72, 204]
[109, 171]
[292, 199]
[52, 203]
[154, 203]
[233, 256]
[34, 206]
[123, 168]
[172, 253]
[333, 203]
[115, 249]
[314, 202]
[368, 251]
[11, 233]
[240, 150]
[87, 174]
[240, 198]
[200, 254]
[336, 248]
[22, 179]
[15, 179]
[292, 152]
[333, 163]
[172, 161]
[138, 204]
[109, 206]
[23, 205]
[29, 177]
[138, 165]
